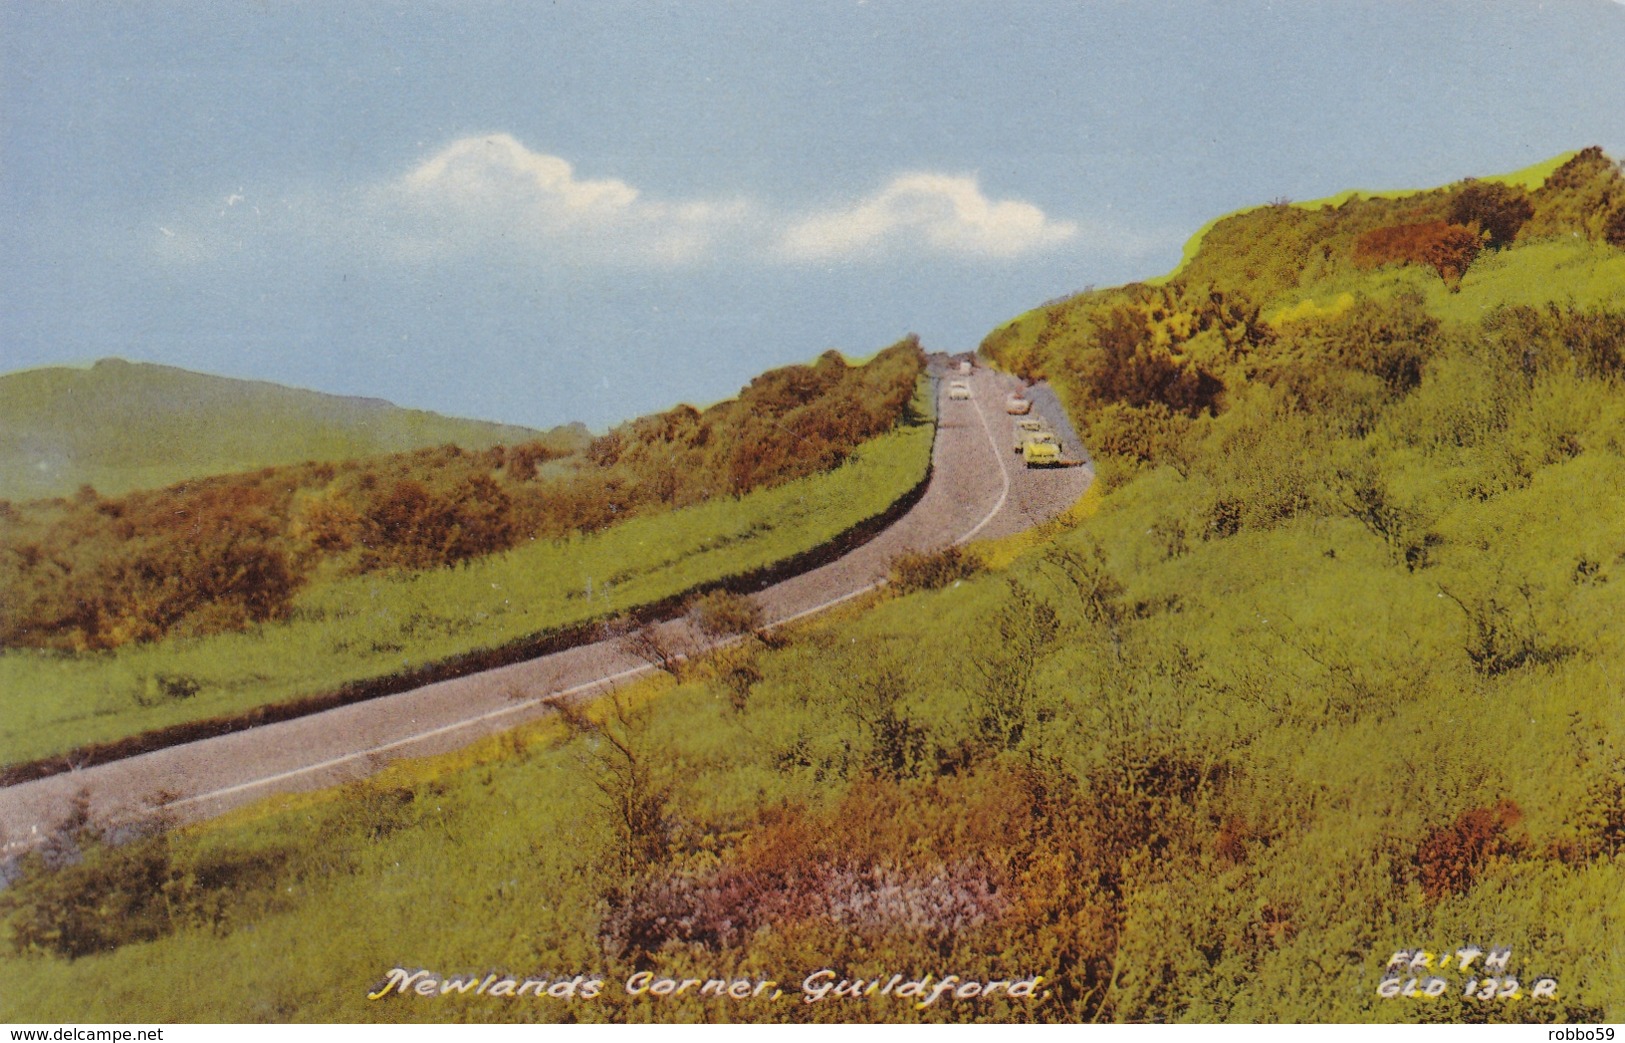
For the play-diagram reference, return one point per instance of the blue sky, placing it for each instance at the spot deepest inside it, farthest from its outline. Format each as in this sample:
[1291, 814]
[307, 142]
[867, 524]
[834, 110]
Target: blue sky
[540, 212]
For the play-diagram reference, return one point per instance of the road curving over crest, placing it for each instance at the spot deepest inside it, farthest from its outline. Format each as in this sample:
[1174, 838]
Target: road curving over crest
[977, 489]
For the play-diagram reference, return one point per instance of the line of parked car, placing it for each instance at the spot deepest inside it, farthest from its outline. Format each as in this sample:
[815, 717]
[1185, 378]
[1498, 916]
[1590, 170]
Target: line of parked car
[1035, 442]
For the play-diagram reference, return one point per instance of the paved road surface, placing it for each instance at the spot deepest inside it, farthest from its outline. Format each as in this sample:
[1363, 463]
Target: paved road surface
[978, 489]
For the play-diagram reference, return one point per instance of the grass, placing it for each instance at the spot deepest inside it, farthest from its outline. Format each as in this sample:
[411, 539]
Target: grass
[1574, 271]
[1530, 177]
[496, 864]
[1241, 752]
[493, 859]
[119, 426]
[378, 624]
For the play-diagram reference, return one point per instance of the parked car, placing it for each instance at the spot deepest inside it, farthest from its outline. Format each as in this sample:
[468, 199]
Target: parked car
[1028, 425]
[1042, 450]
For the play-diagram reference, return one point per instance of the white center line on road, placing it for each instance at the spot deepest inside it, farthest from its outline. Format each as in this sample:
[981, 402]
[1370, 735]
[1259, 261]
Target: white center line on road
[610, 681]
[1004, 476]
[1004, 494]
[445, 729]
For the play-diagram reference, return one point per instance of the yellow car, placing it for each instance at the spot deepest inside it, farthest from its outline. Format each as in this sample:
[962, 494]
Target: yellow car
[1025, 427]
[1041, 450]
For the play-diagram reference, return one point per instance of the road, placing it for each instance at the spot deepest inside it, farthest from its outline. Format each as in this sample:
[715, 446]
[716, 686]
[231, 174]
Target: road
[978, 489]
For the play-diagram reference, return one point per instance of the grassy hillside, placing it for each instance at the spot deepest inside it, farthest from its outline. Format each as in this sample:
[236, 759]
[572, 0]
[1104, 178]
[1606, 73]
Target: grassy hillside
[211, 599]
[226, 552]
[1530, 178]
[119, 426]
[366, 626]
[1325, 668]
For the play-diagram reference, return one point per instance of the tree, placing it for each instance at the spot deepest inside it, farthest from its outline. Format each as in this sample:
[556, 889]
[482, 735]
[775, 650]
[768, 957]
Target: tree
[634, 788]
[876, 698]
[1447, 248]
[1496, 211]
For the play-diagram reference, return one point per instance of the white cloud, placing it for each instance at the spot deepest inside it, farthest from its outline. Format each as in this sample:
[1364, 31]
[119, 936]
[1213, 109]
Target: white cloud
[498, 169]
[940, 212]
[489, 191]
[483, 189]
[491, 196]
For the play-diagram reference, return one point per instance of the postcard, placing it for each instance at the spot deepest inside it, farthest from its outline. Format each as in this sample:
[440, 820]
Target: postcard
[867, 512]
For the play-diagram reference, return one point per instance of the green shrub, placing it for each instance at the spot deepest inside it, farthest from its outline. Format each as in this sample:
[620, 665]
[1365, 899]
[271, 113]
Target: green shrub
[722, 613]
[91, 890]
[931, 570]
[1449, 249]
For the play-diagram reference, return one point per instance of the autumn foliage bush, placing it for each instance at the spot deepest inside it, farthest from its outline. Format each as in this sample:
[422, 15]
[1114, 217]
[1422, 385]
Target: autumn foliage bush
[1497, 211]
[1449, 859]
[1445, 247]
[229, 552]
[787, 875]
[1186, 779]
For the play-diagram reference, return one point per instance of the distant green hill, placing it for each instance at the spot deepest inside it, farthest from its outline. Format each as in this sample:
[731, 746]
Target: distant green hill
[122, 425]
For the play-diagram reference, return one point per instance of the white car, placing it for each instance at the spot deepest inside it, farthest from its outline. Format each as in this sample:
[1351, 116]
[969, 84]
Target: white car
[959, 389]
[1015, 405]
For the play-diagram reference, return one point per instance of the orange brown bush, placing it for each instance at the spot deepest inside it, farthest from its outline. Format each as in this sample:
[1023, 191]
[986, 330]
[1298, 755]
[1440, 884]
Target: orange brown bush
[226, 552]
[1445, 247]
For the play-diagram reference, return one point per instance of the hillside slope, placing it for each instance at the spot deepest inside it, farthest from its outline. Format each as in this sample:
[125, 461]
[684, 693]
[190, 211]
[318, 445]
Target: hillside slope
[121, 425]
[217, 596]
[1325, 668]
